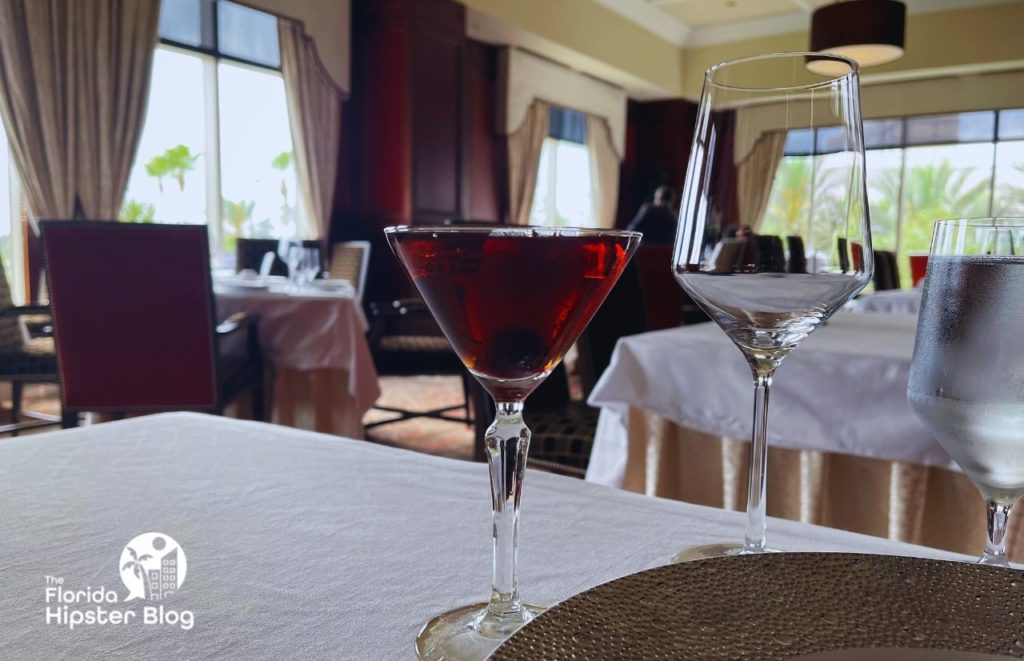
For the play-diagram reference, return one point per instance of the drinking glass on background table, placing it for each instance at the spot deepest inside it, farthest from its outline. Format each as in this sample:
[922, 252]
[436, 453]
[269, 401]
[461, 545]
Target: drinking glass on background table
[511, 301]
[308, 266]
[966, 381]
[767, 271]
[290, 252]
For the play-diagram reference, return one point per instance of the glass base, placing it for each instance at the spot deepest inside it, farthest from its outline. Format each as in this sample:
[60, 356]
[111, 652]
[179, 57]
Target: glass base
[714, 551]
[469, 633]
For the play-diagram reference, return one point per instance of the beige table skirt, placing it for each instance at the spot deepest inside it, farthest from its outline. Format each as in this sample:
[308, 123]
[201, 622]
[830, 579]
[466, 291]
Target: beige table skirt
[907, 502]
[316, 400]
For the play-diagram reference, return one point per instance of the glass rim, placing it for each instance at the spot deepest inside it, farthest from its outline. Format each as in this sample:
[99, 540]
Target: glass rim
[982, 222]
[527, 231]
[709, 74]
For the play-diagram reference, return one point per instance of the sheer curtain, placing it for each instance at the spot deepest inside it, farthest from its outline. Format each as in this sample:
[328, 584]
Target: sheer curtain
[755, 175]
[604, 171]
[314, 113]
[74, 81]
[524, 148]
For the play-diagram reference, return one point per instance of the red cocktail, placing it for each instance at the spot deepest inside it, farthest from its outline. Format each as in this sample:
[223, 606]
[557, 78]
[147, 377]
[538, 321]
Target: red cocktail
[511, 302]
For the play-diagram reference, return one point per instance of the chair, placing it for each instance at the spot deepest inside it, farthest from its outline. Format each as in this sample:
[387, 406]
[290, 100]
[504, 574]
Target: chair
[918, 268]
[886, 270]
[797, 254]
[665, 304]
[24, 358]
[134, 325]
[349, 261]
[406, 341]
[249, 254]
[844, 254]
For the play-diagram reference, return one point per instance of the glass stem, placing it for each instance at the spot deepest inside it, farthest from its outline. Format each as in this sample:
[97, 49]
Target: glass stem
[755, 538]
[507, 443]
[995, 546]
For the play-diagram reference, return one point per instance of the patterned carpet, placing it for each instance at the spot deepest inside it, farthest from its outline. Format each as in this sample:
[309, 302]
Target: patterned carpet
[450, 439]
[422, 393]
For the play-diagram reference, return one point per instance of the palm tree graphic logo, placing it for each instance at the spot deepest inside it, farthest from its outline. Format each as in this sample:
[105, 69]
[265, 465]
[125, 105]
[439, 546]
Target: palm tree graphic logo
[153, 566]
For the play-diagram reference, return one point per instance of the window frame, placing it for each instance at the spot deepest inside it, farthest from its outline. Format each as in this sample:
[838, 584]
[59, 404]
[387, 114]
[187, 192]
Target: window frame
[903, 144]
[210, 29]
[211, 57]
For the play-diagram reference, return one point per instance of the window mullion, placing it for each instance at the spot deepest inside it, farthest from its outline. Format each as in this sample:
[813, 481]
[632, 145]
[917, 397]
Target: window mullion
[899, 201]
[213, 195]
[552, 193]
[18, 284]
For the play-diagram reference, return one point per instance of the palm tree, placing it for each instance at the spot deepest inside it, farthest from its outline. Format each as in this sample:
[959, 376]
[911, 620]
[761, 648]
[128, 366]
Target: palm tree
[133, 211]
[1010, 197]
[789, 205]
[236, 215]
[935, 191]
[135, 564]
[174, 162]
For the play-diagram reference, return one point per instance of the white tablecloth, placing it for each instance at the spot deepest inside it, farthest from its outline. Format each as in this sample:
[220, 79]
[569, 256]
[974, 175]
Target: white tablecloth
[306, 546]
[891, 301]
[316, 343]
[843, 390]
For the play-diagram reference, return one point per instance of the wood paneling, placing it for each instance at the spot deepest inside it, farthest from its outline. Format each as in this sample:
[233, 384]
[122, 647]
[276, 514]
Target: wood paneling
[658, 139]
[435, 128]
[484, 152]
[421, 146]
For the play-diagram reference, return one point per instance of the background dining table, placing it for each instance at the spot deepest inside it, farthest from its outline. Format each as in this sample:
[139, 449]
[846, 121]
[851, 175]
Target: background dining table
[303, 545]
[845, 450]
[323, 377]
[890, 301]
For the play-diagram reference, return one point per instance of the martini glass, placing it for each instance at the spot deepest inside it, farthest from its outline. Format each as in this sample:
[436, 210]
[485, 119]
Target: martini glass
[511, 301]
[770, 245]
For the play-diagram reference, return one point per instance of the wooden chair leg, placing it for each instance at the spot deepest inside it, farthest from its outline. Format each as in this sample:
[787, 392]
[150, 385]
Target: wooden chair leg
[259, 402]
[465, 398]
[68, 419]
[16, 392]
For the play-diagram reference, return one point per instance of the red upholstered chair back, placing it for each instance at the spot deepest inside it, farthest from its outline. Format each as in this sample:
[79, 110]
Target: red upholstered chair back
[133, 315]
[662, 296]
[918, 268]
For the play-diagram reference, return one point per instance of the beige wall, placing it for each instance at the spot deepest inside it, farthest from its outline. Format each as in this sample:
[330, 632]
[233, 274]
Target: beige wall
[594, 32]
[959, 38]
[328, 22]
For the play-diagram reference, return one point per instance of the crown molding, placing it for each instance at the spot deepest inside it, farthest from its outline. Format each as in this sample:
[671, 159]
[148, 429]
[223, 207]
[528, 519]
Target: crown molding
[652, 19]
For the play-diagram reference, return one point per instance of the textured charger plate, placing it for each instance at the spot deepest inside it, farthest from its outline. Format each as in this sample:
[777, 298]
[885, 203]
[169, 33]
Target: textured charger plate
[781, 605]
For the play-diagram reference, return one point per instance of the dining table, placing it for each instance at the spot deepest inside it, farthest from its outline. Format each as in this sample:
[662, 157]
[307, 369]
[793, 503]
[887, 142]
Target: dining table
[277, 543]
[845, 449]
[313, 338]
[892, 301]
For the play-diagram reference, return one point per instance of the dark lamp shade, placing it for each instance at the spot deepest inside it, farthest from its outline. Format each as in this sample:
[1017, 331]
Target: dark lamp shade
[871, 32]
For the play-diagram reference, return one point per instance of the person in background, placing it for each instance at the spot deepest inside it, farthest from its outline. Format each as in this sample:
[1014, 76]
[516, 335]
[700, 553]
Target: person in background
[657, 219]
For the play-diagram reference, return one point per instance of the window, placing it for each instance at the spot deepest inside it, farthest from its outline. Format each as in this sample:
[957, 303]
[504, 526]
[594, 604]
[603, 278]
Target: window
[563, 196]
[10, 221]
[919, 170]
[216, 146]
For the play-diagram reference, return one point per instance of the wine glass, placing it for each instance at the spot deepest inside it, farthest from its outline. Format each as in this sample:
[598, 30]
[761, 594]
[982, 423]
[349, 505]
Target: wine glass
[511, 300]
[965, 379]
[308, 265]
[771, 245]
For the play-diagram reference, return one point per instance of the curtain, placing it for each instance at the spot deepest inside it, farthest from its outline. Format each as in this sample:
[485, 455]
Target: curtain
[314, 115]
[604, 171]
[74, 81]
[524, 147]
[755, 175]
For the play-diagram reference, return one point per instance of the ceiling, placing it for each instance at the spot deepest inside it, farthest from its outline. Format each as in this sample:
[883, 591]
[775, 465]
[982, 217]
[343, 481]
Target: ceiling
[693, 23]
